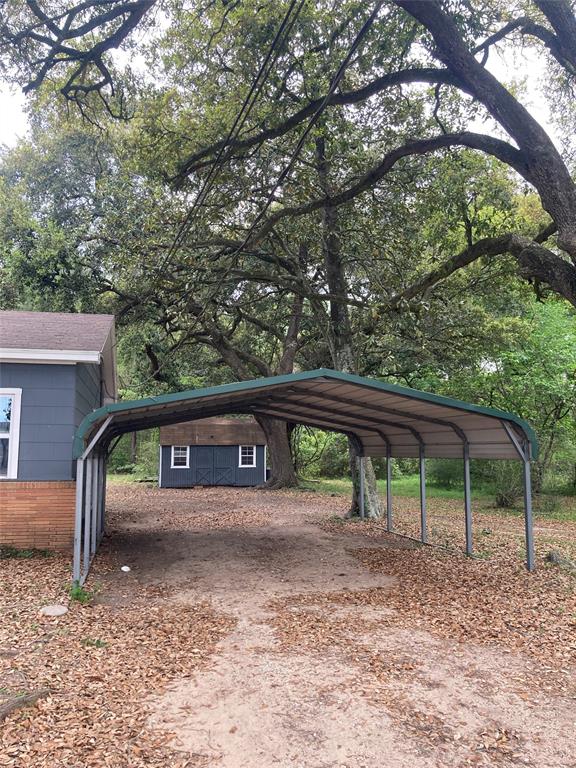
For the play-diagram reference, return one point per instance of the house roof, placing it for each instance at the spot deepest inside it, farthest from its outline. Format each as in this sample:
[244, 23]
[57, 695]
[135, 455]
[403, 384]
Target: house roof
[61, 338]
[380, 417]
[62, 331]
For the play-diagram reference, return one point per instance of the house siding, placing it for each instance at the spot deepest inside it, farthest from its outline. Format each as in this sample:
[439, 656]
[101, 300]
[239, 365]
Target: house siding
[55, 398]
[88, 390]
[46, 418]
[211, 465]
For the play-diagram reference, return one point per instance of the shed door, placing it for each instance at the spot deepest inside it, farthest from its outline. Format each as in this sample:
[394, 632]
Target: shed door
[204, 473]
[225, 457]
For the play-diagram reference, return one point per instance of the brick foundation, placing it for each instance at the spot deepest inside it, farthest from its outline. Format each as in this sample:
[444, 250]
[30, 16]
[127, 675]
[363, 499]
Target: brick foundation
[38, 515]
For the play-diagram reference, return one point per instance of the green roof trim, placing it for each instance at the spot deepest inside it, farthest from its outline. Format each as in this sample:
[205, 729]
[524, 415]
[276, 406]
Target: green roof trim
[86, 425]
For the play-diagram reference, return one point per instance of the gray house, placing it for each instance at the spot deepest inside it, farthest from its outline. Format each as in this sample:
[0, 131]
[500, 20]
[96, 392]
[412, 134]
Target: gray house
[216, 451]
[55, 368]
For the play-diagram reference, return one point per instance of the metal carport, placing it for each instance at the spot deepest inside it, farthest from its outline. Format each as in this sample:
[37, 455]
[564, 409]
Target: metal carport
[381, 419]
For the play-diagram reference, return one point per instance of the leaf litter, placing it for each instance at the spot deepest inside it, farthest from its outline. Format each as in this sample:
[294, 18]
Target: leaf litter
[102, 661]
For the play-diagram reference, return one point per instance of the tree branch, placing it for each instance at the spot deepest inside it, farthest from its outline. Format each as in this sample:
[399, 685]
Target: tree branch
[535, 262]
[500, 149]
[198, 160]
[45, 41]
[547, 170]
[563, 45]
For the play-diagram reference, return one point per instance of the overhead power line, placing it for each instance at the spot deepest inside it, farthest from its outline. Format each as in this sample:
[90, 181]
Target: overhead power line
[313, 120]
[262, 76]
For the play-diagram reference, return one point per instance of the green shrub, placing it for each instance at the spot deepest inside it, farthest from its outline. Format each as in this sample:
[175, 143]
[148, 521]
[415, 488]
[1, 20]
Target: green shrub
[80, 594]
[445, 473]
[125, 469]
[507, 483]
[147, 464]
[7, 553]
[333, 462]
[548, 504]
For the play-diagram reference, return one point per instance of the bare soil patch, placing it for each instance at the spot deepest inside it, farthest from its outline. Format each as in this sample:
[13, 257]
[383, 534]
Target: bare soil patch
[258, 629]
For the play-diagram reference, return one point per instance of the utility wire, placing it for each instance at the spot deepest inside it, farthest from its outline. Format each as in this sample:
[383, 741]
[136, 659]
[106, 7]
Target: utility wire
[281, 37]
[262, 76]
[287, 169]
[315, 117]
[311, 123]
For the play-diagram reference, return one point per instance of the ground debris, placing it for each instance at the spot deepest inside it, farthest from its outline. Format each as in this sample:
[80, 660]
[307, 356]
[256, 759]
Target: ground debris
[100, 663]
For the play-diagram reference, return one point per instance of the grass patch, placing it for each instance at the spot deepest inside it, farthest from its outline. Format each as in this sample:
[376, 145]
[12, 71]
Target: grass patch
[80, 594]
[127, 479]
[408, 486]
[8, 553]
[548, 505]
[93, 642]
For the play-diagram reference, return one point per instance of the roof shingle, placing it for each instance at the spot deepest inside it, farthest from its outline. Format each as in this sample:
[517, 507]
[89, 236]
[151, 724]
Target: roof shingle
[54, 330]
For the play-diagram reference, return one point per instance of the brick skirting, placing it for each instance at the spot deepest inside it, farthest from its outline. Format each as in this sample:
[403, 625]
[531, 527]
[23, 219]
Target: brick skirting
[38, 515]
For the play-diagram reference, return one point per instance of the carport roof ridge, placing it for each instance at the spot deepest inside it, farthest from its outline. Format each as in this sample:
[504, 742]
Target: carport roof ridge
[139, 407]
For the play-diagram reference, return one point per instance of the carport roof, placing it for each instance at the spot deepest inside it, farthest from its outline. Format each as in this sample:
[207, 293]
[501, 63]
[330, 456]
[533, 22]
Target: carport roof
[378, 416]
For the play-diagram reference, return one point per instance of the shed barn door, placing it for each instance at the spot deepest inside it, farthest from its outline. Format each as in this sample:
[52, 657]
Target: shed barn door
[225, 458]
[204, 474]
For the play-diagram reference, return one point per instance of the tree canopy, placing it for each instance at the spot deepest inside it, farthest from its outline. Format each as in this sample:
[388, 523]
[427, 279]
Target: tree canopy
[297, 184]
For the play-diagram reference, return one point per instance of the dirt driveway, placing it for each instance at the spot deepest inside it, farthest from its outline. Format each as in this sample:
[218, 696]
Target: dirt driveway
[350, 648]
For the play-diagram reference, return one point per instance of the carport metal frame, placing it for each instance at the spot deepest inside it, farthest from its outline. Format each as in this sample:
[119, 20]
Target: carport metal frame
[368, 415]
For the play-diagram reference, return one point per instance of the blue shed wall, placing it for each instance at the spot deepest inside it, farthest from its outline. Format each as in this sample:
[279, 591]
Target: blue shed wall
[55, 398]
[211, 465]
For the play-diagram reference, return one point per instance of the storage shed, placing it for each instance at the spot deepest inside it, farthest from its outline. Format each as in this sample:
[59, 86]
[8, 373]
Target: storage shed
[216, 451]
[55, 369]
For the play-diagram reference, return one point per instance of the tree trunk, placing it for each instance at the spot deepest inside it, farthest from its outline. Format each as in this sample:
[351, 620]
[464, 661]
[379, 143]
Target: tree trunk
[133, 447]
[341, 336]
[282, 473]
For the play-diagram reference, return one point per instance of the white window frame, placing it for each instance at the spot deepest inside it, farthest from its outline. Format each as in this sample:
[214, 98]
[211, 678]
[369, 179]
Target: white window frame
[246, 466]
[14, 433]
[180, 466]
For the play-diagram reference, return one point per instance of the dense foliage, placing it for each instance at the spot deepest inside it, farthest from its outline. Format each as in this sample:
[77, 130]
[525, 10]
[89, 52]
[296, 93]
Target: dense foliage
[351, 217]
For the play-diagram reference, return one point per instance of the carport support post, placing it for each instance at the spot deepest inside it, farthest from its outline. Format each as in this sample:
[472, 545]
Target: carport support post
[78, 520]
[528, 523]
[388, 488]
[95, 504]
[87, 513]
[423, 523]
[467, 500]
[523, 451]
[361, 473]
[103, 497]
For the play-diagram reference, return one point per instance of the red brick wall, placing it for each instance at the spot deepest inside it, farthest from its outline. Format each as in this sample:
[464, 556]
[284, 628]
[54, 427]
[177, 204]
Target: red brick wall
[37, 515]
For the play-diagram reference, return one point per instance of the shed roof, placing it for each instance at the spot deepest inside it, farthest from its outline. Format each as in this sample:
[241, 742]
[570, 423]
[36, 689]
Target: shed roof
[54, 331]
[213, 431]
[377, 415]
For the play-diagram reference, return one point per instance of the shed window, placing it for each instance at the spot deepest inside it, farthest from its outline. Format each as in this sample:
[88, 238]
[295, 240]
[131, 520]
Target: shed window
[247, 456]
[9, 432]
[180, 457]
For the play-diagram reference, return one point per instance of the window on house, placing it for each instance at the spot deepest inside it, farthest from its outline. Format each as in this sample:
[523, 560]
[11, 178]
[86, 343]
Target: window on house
[247, 456]
[9, 433]
[180, 457]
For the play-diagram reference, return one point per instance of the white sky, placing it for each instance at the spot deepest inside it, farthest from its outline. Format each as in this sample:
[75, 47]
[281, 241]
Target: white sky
[515, 65]
[13, 121]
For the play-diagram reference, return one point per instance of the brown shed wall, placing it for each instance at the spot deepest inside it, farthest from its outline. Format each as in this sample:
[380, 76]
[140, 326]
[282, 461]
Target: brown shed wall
[213, 432]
